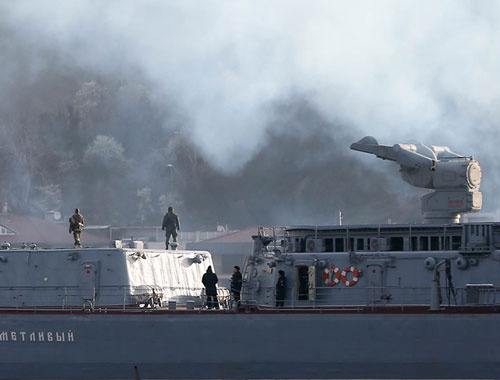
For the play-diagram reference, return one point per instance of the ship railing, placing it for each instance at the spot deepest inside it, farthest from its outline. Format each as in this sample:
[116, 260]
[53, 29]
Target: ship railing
[403, 297]
[123, 297]
[278, 235]
[152, 297]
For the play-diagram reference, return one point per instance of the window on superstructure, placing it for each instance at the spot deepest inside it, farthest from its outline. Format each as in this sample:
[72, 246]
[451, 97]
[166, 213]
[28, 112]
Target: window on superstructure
[435, 243]
[351, 244]
[328, 245]
[300, 245]
[414, 243]
[339, 245]
[397, 244]
[360, 244]
[456, 242]
[424, 243]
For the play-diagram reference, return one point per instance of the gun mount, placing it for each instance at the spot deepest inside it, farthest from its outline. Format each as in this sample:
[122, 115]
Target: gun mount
[455, 178]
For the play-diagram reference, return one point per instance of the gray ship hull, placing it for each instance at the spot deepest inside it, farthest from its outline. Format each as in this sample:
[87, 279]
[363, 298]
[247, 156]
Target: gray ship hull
[183, 345]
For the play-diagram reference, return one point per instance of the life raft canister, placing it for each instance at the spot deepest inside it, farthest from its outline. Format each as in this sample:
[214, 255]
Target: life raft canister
[331, 275]
[355, 278]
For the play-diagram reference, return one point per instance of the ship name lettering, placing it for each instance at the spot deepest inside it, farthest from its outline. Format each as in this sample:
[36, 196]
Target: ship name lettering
[37, 336]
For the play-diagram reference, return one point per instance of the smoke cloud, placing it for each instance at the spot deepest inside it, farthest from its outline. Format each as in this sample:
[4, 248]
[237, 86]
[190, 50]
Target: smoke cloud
[254, 104]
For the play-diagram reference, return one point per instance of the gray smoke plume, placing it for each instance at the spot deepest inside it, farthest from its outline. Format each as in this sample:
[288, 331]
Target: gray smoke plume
[252, 104]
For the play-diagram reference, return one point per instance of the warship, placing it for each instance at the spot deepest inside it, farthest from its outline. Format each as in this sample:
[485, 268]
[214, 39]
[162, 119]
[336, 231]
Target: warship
[393, 301]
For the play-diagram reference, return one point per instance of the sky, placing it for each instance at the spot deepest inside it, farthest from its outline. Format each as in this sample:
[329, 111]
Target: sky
[395, 69]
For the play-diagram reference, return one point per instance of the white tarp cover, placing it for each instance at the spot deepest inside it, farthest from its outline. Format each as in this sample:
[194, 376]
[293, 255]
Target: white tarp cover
[172, 274]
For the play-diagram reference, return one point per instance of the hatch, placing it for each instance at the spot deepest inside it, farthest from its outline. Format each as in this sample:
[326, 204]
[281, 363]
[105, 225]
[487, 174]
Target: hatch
[87, 280]
[375, 271]
[305, 283]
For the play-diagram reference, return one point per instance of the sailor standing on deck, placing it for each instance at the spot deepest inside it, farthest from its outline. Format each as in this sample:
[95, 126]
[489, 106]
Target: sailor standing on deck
[76, 223]
[210, 280]
[171, 225]
[236, 281]
[281, 289]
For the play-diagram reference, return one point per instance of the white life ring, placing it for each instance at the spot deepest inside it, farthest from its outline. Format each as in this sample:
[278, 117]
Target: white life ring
[355, 278]
[331, 275]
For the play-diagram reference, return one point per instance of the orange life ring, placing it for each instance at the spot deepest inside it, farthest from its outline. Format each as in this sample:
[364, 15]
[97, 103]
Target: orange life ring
[354, 280]
[328, 277]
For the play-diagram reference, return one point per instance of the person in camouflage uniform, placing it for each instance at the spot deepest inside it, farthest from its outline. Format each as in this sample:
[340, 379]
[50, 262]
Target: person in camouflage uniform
[76, 223]
[170, 225]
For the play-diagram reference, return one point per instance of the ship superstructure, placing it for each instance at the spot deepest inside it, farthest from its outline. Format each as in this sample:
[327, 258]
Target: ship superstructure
[103, 277]
[430, 266]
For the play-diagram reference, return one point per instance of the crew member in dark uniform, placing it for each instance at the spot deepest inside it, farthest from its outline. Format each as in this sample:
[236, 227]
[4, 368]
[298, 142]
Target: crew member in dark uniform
[76, 223]
[281, 289]
[171, 225]
[236, 282]
[210, 280]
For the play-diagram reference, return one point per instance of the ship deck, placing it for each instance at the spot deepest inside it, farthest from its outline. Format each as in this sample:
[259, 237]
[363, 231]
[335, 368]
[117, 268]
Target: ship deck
[253, 309]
